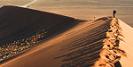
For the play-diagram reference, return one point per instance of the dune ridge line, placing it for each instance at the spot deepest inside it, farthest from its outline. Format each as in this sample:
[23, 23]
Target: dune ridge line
[111, 53]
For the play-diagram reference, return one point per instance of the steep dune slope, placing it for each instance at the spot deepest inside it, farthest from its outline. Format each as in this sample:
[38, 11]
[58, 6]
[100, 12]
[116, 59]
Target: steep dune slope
[22, 28]
[127, 45]
[77, 47]
[17, 23]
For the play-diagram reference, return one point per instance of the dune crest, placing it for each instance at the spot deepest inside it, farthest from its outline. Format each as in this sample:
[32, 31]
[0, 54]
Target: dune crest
[111, 53]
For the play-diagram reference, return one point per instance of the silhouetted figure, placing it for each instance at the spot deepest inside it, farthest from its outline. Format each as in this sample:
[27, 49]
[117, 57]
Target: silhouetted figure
[114, 13]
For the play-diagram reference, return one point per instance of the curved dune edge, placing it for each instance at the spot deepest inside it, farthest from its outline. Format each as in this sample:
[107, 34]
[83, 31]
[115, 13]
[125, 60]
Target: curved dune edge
[111, 52]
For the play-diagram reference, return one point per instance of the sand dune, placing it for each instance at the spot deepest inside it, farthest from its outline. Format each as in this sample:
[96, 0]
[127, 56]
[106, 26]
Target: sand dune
[22, 28]
[16, 21]
[79, 46]
[71, 48]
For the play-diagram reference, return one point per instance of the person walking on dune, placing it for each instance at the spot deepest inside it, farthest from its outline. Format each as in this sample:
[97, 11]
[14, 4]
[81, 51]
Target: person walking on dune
[114, 13]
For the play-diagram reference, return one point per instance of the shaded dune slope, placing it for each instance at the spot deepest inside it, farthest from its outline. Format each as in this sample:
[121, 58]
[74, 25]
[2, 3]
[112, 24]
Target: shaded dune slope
[17, 23]
[77, 47]
[22, 28]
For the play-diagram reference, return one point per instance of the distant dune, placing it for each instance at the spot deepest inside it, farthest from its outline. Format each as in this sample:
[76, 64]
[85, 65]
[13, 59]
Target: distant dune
[104, 42]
